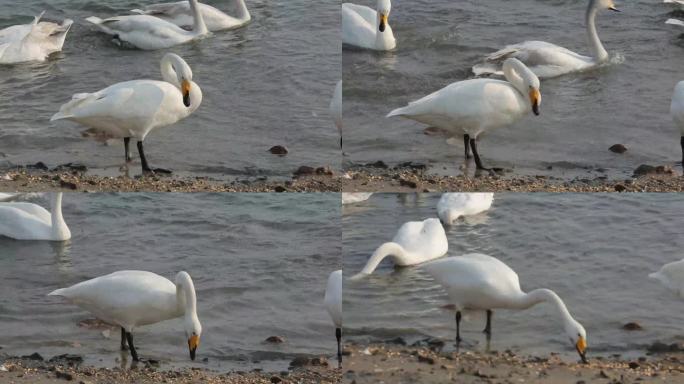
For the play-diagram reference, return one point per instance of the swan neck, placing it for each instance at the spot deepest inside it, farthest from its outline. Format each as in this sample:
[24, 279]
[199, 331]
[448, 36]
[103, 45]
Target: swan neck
[168, 74]
[200, 28]
[513, 75]
[57, 221]
[598, 52]
[185, 293]
[527, 300]
[387, 249]
[242, 11]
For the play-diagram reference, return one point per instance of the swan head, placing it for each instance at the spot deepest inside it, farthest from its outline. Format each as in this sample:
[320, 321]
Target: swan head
[183, 74]
[535, 98]
[604, 4]
[384, 7]
[524, 80]
[578, 338]
[193, 331]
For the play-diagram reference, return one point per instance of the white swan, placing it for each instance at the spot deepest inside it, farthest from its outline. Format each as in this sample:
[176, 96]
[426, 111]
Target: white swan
[675, 22]
[471, 107]
[132, 109]
[480, 282]
[149, 32]
[28, 221]
[355, 197]
[549, 60]
[180, 14]
[32, 42]
[451, 206]
[416, 242]
[333, 304]
[336, 108]
[7, 197]
[677, 112]
[367, 28]
[131, 299]
[671, 275]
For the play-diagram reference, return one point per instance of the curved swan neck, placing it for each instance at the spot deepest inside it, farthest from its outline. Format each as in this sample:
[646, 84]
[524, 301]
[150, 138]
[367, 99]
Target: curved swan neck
[597, 51]
[59, 227]
[383, 251]
[168, 73]
[527, 300]
[199, 27]
[185, 293]
[514, 73]
[242, 11]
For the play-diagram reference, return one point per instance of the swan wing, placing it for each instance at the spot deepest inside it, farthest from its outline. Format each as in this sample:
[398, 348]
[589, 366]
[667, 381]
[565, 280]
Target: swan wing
[356, 30]
[34, 210]
[179, 13]
[675, 22]
[18, 221]
[368, 14]
[355, 197]
[425, 239]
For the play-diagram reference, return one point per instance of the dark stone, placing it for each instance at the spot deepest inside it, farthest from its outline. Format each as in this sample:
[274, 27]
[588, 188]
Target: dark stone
[64, 375]
[71, 359]
[632, 326]
[304, 170]
[300, 361]
[319, 362]
[408, 183]
[377, 164]
[620, 188]
[618, 148]
[279, 150]
[68, 185]
[633, 365]
[397, 341]
[645, 169]
[34, 356]
[275, 340]
[324, 171]
[280, 188]
[276, 379]
[39, 165]
[426, 359]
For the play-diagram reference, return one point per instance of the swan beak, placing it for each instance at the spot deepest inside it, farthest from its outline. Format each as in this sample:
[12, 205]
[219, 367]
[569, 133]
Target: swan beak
[193, 343]
[535, 100]
[383, 22]
[581, 347]
[612, 8]
[185, 89]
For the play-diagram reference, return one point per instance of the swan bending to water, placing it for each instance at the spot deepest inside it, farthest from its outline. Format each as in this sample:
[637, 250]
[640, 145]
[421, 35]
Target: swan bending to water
[451, 206]
[131, 299]
[671, 275]
[336, 108]
[416, 242]
[333, 304]
[474, 106]
[677, 112]
[28, 221]
[132, 109]
[180, 14]
[32, 42]
[149, 32]
[367, 28]
[480, 282]
[548, 60]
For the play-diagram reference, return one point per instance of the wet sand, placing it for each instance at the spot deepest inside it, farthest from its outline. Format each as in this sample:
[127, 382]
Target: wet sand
[378, 363]
[67, 369]
[415, 178]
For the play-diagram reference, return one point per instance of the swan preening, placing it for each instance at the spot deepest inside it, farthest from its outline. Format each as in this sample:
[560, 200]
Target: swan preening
[367, 28]
[480, 282]
[415, 242]
[677, 112]
[132, 109]
[28, 221]
[471, 107]
[333, 304]
[355, 197]
[671, 276]
[180, 13]
[32, 42]
[150, 32]
[451, 206]
[131, 299]
[549, 60]
[336, 108]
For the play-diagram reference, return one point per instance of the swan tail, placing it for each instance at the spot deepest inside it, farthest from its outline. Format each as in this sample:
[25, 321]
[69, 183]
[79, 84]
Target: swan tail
[94, 20]
[675, 22]
[66, 110]
[63, 28]
[36, 19]
[58, 292]
[403, 111]
[138, 11]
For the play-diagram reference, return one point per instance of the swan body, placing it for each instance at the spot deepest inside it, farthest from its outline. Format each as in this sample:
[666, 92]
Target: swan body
[32, 42]
[474, 106]
[131, 299]
[28, 221]
[364, 27]
[671, 276]
[480, 282]
[333, 304]
[355, 197]
[451, 206]
[675, 22]
[148, 32]
[548, 60]
[180, 14]
[415, 242]
[677, 112]
[132, 109]
[336, 108]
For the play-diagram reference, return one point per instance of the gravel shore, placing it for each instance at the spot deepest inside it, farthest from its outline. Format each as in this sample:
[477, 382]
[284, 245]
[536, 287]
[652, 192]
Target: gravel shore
[381, 363]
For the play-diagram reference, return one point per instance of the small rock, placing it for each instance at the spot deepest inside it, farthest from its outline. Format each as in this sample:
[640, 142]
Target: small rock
[319, 362]
[278, 150]
[426, 359]
[324, 171]
[620, 188]
[300, 361]
[64, 375]
[280, 189]
[377, 164]
[34, 356]
[408, 183]
[68, 184]
[645, 169]
[276, 379]
[632, 326]
[633, 365]
[304, 170]
[618, 148]
[397, 340]
[39, 165]
[275, 340]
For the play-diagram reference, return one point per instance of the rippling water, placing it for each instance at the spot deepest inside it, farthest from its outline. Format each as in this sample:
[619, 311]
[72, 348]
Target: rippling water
[582, 115]
[266, 84]
[260, 265]
[594, 250]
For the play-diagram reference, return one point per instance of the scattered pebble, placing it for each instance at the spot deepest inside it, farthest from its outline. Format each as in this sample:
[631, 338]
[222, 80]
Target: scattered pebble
[275, 340]
[279, 150]
[618, 148]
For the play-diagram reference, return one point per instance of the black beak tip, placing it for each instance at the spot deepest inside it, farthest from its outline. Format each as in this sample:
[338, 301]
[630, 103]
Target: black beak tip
[192, 354]
[584, 358]
[382, 27]
[186, 99]
[615, 10]
[535, 109]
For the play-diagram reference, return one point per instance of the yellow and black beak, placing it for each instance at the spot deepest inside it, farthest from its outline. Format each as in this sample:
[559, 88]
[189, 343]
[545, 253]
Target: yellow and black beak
[612, 8]
[581, 347]
[193, 343]
[383, 22]
[535, 100]
[185, 89]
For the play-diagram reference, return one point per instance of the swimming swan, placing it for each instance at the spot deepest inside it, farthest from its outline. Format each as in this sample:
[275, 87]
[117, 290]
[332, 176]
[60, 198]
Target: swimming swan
[28, 221]
[180, 14]
[416, 242]
[32, 42]
[149, 32]
[355, 197]
[333, 304]
[132, 109]
[451, 206]
[474, 106]
[367, 28]
[548, 60]
[480, 282]
[131, 299]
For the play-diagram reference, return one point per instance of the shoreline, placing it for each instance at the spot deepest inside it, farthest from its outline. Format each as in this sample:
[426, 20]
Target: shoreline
[381, 362]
